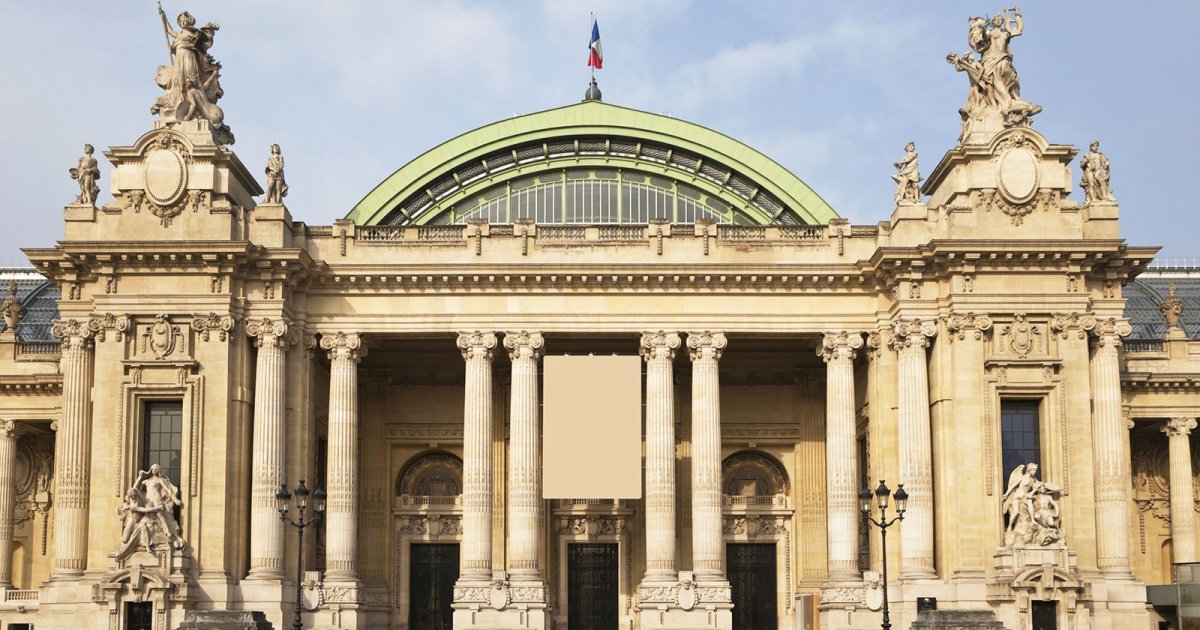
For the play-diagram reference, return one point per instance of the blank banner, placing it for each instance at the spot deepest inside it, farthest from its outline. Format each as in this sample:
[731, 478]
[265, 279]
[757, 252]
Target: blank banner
[592, 427]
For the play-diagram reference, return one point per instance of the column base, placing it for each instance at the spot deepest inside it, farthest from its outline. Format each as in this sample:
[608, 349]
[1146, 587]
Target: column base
[501, 603]
[686, 603]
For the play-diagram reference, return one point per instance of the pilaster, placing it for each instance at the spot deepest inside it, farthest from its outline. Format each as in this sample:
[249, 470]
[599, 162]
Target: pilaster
[1111, 440]
[8, 463]
[72, 457]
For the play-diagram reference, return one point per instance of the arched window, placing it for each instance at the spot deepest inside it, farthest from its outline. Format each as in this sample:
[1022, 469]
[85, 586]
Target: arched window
[434, 474]
[753, 474]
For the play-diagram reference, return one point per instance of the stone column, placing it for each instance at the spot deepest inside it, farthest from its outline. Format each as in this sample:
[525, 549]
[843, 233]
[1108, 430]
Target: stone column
[72, 451]
[658, 349]
[341, 513]
[272, 337]
[8, 496]
[707, 547]
[841, 455]
[911, 338]
[1111, 439]
[524, 465]
[1183, 516]
[476, 560]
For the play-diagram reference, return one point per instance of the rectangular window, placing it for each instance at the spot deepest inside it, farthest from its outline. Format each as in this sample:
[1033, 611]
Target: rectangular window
[162, 437]
[1020, 434]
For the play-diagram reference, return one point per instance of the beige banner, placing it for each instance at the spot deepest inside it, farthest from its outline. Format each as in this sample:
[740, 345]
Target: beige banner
[592, 427]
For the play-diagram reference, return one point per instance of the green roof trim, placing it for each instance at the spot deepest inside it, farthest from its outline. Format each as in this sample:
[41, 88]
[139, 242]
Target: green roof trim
[592, 118]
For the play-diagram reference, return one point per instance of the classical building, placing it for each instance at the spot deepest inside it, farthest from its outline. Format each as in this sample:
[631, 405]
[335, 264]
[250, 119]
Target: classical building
[995, 347]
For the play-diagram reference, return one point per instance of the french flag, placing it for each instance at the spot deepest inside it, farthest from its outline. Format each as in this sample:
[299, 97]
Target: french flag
[595, 53]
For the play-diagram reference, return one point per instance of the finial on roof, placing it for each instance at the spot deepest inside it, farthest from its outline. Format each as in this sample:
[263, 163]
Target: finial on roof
[1172, 311]
[593, 91]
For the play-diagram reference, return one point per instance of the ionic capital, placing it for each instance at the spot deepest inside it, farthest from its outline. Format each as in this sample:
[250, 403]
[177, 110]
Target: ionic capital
[72, 332]
[524, 345]
[343, 346]
[959, 324]
[1076, 323]
[706, 345]
[1108, 332]
[1179, 426]
[104, 323]
[840, 345]
[8, 428]
[913, 334]
[205, 325]
[659, 345]
[272, 332]
[476, 345]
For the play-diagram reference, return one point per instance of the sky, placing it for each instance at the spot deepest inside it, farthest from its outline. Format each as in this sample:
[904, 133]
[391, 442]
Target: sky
[353, 90]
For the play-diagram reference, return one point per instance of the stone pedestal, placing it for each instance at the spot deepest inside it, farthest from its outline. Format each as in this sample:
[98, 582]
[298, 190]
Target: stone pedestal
[686, 604]
[957, 620]
[225, 620]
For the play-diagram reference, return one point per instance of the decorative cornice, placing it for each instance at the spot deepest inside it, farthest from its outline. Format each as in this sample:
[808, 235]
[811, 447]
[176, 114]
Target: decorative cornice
[706, 345]
[476, 345]
[659, 345]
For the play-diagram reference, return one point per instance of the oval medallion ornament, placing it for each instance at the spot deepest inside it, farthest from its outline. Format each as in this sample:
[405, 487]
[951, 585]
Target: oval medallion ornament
[165, 176]
[498, 595]
[1018, 175]
[687, 596]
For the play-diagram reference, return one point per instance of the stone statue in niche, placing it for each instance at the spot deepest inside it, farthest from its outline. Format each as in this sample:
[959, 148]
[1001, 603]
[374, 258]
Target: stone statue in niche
[907, 178]
[148, 514]
[995, 91]
[86, 172]
[1031, 511]
[1095, 175]
[192, 83]
[277, 187]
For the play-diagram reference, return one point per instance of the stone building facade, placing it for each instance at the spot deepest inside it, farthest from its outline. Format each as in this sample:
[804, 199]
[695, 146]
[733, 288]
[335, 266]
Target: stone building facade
[187, 348]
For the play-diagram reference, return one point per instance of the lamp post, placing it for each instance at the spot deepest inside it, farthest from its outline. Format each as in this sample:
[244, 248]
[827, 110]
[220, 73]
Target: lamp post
[881, 500]
[284, 498]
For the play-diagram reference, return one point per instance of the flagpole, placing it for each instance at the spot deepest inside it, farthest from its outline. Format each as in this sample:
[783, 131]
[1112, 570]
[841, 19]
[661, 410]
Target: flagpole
[593, 68]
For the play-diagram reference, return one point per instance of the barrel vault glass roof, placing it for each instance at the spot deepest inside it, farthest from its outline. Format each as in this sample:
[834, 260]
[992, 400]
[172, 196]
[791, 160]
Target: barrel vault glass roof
[1145, 294]
[39, 299]
[592, 162]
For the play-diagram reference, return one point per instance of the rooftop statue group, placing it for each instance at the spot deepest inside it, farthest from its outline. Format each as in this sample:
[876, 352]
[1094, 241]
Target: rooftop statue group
[995, 91]
[148, 514]
[192, 82]
[1031, 512]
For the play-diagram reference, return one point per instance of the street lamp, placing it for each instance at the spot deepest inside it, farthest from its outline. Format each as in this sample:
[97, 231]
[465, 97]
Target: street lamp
[881, 501]
[284, 499]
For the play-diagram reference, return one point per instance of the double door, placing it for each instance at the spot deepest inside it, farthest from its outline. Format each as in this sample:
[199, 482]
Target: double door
[752, 582]
[431, 591]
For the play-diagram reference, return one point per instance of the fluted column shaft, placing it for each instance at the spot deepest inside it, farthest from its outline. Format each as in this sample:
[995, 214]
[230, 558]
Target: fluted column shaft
[910, 339]
[1111, 437]
[8, 496]
[841, 457]
[72, 451]
[341, 514]
[1183, 515]
[475, 562]
[658, 349]
[272, 338]
[524, 466]
[707, 553]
